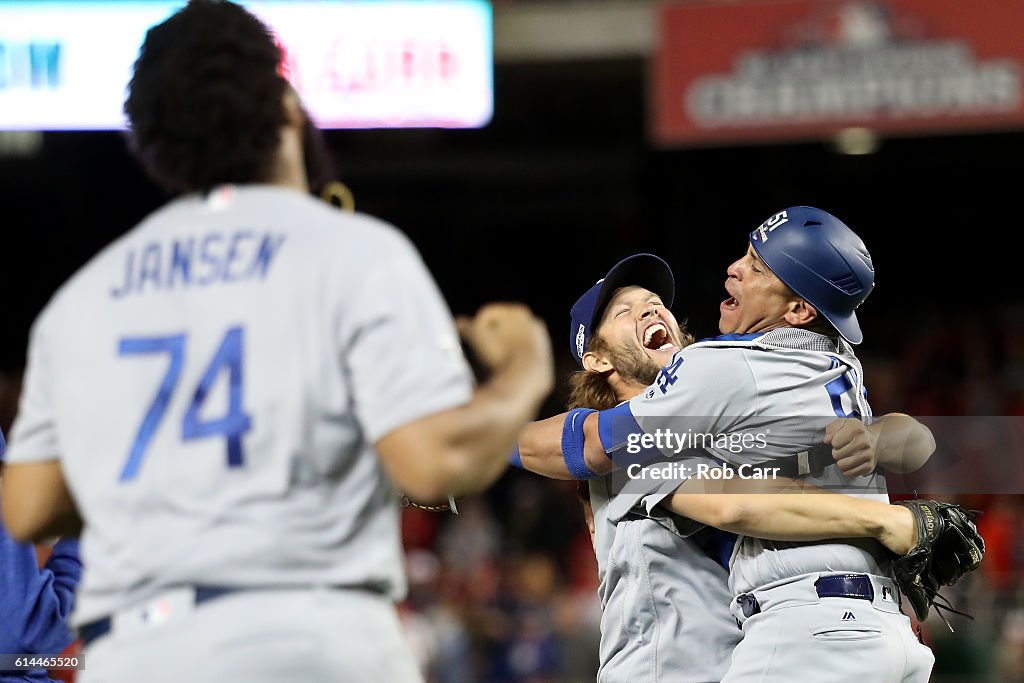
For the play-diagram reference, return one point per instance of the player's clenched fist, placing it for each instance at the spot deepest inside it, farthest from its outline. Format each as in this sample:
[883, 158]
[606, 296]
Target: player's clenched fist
[505, 334]
[854, 446]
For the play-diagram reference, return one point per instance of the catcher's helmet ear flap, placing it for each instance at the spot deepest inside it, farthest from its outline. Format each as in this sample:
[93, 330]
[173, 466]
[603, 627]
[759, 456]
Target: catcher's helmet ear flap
[820, 259]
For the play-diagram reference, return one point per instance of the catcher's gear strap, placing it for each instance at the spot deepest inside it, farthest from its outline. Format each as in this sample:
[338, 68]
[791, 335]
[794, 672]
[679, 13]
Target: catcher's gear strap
[811, 462]
[572, 444]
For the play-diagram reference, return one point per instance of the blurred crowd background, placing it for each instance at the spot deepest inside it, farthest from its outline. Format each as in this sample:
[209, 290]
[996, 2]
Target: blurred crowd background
[567, 178]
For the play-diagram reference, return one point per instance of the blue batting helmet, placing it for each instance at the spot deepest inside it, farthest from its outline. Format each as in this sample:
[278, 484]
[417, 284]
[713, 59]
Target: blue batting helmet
[820, 259]
[641, 270]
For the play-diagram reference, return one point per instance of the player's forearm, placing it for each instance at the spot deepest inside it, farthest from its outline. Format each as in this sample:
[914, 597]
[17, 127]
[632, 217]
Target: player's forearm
[463, 450]
[904, 444]
[490, 425]
[800, 517]
[36, 503]
[542, 447]
[783, 509]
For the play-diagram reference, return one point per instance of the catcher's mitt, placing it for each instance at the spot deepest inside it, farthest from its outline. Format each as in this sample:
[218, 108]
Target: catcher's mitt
[948, 547]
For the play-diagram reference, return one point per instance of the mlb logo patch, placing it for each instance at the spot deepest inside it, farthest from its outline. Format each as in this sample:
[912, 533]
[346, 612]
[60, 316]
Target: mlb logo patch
[221, 198]
[157, 612]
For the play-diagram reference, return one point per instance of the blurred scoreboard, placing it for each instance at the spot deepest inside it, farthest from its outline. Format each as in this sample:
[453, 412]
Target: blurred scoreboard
[356, 63]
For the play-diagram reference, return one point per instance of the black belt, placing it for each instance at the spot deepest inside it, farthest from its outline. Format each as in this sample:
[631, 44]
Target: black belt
[839, 586]
[101, 627]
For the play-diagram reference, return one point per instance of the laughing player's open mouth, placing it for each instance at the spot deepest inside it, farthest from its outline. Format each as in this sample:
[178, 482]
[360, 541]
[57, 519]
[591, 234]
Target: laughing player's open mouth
[657, 338]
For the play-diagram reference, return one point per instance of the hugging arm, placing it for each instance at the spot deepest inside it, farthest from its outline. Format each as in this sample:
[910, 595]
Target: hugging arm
[895, 442]
[785, 509]
[543, 447]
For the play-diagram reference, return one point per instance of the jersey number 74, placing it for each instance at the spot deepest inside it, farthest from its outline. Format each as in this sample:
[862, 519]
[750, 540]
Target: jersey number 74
[233, 425]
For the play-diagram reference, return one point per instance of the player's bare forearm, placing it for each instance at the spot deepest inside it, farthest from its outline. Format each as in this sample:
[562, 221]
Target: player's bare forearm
[904, 444]
[491, 425]
[463, 450]
[540, 448]
[796, 516]
[895, 442]
[36, 502]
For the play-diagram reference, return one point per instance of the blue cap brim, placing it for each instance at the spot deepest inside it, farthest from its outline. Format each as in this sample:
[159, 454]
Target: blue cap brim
[640, 270]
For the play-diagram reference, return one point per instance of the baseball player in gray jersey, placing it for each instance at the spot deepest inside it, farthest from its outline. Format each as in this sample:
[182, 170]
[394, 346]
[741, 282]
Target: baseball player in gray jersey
[678, 626]
[231, 396]
[826, 611]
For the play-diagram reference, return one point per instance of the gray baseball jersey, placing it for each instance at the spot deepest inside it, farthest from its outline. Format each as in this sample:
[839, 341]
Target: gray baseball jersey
[665, 602]
[773, 392]
[213, 384]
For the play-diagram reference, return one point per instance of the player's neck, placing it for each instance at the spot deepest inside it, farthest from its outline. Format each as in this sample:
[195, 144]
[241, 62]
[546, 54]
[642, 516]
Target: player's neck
[289, 169]
[624, 388]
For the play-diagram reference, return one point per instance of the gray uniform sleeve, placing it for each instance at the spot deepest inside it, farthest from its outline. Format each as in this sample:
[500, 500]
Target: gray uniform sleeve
[33, 435]
[400, 345]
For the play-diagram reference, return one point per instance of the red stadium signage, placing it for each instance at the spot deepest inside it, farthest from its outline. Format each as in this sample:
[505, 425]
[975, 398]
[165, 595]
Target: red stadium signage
[803, 69]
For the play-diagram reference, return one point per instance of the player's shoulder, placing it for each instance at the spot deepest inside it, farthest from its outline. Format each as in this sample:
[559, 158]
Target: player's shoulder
[722, 363]
[302, 213]
[63, 298]
[722, 347]
[347, 243]
[726, 341]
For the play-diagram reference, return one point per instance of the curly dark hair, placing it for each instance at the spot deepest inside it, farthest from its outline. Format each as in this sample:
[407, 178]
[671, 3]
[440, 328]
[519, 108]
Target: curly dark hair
[205, 103]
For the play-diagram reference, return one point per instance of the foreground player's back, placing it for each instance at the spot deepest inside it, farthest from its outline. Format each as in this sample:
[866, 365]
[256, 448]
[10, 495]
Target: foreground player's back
[218, 378]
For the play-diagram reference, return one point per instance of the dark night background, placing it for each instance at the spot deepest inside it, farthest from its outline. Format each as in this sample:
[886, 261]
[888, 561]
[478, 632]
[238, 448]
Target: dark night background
[561, 184]
[538, 205]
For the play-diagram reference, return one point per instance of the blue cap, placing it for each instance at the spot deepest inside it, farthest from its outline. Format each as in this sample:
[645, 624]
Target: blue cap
[821, 260]
[640, 270]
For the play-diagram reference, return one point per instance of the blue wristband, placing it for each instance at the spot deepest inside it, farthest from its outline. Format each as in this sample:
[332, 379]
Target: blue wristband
[572, 444]
[515, 459]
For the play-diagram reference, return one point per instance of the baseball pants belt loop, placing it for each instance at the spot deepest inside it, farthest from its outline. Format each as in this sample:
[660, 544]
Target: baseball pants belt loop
[748, 604]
